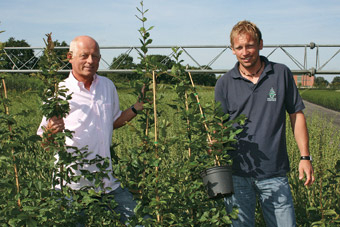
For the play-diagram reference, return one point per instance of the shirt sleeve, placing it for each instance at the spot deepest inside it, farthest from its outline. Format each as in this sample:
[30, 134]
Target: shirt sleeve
[116, 108]
[293, 100]
[43, 123]
[220, 95]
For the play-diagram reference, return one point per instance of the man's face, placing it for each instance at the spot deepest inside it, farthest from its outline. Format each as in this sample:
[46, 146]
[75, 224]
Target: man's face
[85, 61]
[247, 50]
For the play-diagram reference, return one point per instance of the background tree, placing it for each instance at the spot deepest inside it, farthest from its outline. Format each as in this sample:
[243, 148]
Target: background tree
[123, 61]
[1, 52]
[20, 58]
[320, 82]
[207, 79]
[60, 55]
[161, 63]
[336, 82]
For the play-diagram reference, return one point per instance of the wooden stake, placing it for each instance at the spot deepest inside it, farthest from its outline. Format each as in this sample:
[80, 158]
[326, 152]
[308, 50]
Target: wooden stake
[12, 150]
[156, 138]
[154, 105]
[188, 121]
[202, 114]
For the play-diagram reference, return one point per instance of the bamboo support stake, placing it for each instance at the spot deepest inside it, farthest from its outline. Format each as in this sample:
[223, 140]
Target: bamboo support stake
[155, 107]
[190, 210]
[147, 123]
[156, 138]
[188, 121]
[145, 146]
[200, 107]
[202, 114]
[12, 150]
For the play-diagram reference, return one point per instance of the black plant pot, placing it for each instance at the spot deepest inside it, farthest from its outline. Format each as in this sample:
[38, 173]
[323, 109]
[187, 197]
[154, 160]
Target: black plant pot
[218, 181]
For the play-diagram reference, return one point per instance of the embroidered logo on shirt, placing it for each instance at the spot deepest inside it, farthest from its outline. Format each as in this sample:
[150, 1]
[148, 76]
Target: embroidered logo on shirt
[271, 95]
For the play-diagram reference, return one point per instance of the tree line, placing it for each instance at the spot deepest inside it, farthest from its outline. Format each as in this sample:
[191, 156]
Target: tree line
[123, 61]
[322, 83]
[27, 59]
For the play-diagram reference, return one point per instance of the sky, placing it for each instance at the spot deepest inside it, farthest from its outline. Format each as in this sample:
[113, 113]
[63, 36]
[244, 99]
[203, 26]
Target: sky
[178, 22]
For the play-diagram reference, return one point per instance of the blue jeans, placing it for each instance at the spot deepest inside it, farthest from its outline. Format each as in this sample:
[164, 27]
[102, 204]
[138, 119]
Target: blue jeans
[126, 204]
[275, 198]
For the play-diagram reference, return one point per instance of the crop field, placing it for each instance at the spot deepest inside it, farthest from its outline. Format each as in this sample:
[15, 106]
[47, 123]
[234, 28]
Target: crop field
[318, 205]
[314, 206]
[158, 156]
[326, 98]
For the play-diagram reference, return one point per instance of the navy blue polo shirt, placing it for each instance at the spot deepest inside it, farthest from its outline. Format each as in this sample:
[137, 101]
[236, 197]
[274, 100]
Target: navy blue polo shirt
[261, 150]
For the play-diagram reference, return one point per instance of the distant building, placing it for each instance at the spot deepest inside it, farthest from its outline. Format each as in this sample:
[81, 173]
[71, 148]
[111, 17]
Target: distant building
[304, 80]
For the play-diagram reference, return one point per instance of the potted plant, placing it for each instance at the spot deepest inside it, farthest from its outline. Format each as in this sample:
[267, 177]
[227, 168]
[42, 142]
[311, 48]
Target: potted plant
[221, 131]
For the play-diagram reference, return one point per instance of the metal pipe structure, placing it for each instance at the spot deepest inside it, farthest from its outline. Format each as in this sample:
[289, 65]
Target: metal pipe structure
[210, 67]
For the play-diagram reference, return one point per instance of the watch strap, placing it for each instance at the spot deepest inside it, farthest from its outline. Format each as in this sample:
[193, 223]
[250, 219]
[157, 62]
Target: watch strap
[306, 158]
[134, 109]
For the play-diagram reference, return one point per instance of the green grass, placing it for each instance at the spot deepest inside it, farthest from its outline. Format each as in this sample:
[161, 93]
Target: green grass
[326, 98]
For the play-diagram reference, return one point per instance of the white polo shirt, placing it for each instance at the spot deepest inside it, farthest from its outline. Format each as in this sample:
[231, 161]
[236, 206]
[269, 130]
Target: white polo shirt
[91, 117]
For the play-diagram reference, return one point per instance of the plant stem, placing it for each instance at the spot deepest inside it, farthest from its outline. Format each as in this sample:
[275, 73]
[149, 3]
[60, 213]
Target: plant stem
[156, 138]
[12, 150]
[202, 114]
[321, 175]
[188, 121]
[154, 105]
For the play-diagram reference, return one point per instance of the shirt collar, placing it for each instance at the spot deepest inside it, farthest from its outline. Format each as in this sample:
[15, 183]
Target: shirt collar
[73, 81]
[267, 68]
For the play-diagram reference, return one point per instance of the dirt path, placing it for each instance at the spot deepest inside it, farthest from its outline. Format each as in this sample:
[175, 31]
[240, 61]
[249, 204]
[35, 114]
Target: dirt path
[327, 113]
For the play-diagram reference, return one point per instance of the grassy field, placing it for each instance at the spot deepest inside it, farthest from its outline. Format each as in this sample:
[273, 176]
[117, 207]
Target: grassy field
[315, 206]
[326, 98]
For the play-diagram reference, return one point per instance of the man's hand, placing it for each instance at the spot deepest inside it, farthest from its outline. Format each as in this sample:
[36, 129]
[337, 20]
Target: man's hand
[139, 106]
[140, 101]
[305, 167]
[55, 124]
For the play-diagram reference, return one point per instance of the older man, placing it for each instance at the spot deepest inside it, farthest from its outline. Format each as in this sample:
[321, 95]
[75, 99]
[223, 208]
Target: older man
[94, 113]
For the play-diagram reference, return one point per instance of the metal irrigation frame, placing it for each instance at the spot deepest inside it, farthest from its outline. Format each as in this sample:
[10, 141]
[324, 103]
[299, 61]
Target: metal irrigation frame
[302, 66]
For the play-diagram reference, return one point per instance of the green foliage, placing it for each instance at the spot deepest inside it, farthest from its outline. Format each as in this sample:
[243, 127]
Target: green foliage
[36, 164]
[163, 174]
[207, 79]
[19, 57]
[123, 61]
[26, 58]
[320, 82]
[162, 169]
[23, 82]
[29, 175]
[335, 83]
[317, 205]
[60, 55]
[2, 54]
[224, 134]
[55, 98]
[327, 98]
[159, 62]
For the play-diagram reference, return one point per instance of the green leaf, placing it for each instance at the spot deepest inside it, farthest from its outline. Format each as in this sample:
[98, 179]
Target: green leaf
[330, 213]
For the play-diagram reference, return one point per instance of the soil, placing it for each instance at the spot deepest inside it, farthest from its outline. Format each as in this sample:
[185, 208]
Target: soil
[324, 112]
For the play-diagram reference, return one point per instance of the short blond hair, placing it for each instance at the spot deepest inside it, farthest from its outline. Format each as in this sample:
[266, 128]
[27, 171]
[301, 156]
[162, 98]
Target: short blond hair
[245, 27]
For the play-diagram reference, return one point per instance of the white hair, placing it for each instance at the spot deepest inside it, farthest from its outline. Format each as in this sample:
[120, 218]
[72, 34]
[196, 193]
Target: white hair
[73, 47]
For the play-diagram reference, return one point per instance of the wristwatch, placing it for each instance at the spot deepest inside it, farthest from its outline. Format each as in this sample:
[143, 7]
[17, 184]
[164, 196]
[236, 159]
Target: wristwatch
[134, 109]
[306, 158]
